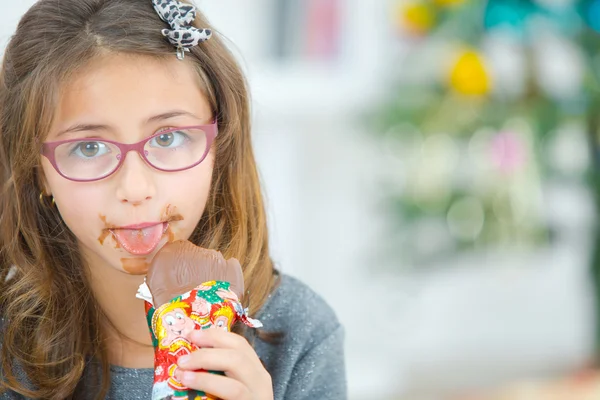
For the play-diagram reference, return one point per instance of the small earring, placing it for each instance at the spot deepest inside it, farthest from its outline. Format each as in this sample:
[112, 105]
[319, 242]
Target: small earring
[43, 201]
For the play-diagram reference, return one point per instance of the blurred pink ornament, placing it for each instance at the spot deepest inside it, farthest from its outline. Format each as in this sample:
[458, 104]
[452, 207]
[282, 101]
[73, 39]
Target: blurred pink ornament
[508, 152]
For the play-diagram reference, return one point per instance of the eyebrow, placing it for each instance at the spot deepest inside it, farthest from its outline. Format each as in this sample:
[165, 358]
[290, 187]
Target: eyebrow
[156, 118]
[171, 114]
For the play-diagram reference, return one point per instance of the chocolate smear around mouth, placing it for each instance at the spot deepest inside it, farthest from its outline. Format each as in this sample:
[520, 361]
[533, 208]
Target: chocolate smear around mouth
[135, 266]
[106, 231]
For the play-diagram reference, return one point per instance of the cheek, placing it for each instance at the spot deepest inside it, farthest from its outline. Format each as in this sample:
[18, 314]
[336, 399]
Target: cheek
[77, 203]
[80, 211]
[188, 191]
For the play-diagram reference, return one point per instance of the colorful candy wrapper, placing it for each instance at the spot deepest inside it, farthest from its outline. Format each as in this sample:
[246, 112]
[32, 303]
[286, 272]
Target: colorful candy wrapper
[209, 305]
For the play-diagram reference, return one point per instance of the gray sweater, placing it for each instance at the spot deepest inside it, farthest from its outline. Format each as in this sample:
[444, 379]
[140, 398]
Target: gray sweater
[307, 363]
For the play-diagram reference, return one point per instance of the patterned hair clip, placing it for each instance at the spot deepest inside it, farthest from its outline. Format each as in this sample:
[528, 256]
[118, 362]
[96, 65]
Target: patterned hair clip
[180, 17]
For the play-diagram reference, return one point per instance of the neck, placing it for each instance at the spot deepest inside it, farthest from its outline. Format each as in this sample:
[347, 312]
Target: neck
[125, 328]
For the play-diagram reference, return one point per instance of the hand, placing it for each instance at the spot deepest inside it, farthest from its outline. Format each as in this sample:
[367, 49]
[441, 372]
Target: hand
[227, 295]
[245, 376]
[178, 374]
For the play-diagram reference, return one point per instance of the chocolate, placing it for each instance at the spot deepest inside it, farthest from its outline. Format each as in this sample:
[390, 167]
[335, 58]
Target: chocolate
[182, 266]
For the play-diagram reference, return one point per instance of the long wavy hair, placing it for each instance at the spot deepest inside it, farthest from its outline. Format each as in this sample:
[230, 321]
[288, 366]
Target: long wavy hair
[51, 323]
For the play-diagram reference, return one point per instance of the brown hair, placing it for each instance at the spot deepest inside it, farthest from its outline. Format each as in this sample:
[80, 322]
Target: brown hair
[51, 320]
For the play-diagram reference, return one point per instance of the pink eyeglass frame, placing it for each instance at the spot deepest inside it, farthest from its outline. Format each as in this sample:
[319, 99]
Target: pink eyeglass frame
[48, 149]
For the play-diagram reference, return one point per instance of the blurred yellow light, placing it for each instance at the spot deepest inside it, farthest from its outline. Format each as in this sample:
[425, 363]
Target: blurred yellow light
[449, 3]
[416, 17]
[469, 76]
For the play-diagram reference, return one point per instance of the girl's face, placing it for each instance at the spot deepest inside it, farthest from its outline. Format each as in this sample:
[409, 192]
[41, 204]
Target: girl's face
[123, 219]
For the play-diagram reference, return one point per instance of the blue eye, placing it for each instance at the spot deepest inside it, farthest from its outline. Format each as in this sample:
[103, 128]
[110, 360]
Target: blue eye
[170, 320]
[169, 139]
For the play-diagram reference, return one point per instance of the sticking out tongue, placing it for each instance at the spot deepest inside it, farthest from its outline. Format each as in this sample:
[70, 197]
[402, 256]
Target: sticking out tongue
[140, 241]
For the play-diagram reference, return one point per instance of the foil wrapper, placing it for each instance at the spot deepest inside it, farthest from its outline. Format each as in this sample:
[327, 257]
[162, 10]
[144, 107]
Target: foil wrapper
[211, 305]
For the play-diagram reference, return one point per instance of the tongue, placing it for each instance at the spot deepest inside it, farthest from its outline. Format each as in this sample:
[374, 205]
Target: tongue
[139, 241]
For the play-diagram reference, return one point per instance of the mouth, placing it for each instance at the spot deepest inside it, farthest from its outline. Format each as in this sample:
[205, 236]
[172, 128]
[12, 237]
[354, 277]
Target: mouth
[140, 239]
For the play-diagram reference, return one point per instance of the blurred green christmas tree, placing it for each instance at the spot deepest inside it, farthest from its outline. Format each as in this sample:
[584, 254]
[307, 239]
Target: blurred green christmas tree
[491, 99]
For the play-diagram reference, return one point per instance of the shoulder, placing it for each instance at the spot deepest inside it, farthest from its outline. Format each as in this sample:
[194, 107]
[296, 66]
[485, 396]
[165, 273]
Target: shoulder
[307, 359]
[295, 309]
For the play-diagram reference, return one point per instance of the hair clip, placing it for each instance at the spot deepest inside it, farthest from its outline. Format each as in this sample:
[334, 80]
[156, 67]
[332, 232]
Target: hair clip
[180, 17]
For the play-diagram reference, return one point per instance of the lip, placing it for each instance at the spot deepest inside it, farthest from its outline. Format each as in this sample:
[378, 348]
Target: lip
[142, 225]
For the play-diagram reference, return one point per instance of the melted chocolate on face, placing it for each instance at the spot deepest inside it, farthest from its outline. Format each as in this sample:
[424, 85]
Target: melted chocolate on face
[135, 266]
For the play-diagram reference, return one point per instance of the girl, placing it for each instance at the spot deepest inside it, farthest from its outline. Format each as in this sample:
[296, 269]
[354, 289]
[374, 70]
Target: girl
[124, 125]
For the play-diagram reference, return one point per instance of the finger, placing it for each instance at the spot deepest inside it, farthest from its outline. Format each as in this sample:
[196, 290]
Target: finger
[223, 387]
[234, 363]
[218, 338]
[227, 294]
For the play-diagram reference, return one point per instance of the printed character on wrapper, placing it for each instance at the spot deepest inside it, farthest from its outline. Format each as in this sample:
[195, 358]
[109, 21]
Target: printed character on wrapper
[171, 326]
[200, 310]
[208, 304]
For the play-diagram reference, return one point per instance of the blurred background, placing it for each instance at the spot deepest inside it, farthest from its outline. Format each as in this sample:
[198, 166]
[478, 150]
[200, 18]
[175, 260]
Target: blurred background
[442, 154]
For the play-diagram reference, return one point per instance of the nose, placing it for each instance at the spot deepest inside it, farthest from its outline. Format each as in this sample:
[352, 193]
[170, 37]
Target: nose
[136, 184]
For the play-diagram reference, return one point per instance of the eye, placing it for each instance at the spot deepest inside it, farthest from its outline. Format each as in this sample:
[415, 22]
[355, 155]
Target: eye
[169, 139]
[179, 315]
[90, 149]
[169, 320]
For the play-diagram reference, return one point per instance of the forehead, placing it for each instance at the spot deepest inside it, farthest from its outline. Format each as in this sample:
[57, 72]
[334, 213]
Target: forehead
[123, 89]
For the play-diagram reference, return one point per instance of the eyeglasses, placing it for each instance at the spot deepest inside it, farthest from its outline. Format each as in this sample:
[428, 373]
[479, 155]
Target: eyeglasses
[91, 159]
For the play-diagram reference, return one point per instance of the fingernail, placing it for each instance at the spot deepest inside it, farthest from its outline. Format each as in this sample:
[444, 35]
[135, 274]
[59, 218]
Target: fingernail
[183, 360]
[188, 376]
